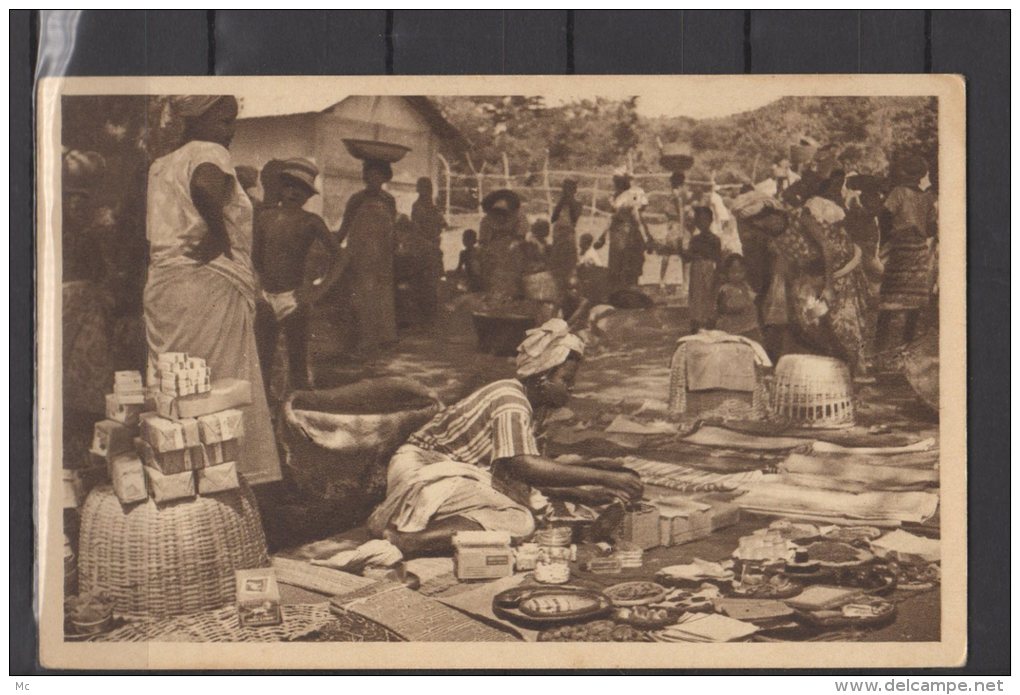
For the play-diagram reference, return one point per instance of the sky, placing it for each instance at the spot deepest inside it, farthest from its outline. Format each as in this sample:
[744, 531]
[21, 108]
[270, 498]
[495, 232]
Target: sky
[721, 99]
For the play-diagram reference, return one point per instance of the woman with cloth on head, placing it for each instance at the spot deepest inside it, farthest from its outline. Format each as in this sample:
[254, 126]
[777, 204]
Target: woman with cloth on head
[502, 235]
[909, 225]
[367, 286]
[201, 290]
[627, 234]
[476, 465]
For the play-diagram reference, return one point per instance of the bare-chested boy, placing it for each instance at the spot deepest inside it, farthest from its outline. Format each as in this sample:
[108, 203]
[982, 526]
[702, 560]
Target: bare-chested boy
[284, 234]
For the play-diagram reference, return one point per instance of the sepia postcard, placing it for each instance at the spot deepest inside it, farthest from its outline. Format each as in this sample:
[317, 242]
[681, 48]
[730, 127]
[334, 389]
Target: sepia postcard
[551, 372]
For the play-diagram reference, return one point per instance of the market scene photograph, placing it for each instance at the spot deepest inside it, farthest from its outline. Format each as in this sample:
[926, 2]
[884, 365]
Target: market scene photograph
[344, 367]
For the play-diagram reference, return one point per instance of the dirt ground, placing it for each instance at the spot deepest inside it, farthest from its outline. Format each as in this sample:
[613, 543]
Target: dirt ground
[628, 370]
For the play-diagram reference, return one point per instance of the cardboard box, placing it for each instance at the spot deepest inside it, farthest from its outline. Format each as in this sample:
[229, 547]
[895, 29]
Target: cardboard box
[219, 478]
[222, 426]
[641, 526]
[124, 413]
[170, 435]
[111, 438]
[685, 519]
[174, 486]
[482, 555]
[169, 462]
[224, 395]
[258, 598]
[128, 477]
[221, 452]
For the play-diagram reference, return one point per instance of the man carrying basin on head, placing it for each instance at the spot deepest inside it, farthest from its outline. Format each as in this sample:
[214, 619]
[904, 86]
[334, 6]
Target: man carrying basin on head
[476, 465]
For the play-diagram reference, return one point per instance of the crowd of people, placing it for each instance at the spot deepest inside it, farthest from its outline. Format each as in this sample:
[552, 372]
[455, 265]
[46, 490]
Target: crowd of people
[816, 258]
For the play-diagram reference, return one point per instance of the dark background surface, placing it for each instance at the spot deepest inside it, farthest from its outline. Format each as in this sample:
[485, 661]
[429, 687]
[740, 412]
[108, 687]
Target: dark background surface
[403, 42]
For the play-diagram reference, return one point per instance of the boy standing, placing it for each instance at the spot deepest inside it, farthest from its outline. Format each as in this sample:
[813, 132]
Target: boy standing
[283, 236]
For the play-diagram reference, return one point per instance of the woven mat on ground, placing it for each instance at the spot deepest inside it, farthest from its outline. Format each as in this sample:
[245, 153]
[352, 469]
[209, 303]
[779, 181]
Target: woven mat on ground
[686, 479]
[858, 436]
[348, 627]
[714, 436]
[222, 626]
[418, 618]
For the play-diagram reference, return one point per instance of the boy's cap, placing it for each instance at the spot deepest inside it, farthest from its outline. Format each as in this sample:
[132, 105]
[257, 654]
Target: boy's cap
[302, 170]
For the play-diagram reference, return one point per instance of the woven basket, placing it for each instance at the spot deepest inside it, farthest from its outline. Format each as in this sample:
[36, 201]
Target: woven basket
[169, 559]
[718, 403]
[812, 391]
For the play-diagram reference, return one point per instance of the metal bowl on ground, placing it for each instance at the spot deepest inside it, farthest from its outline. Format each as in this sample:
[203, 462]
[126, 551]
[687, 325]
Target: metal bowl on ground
[376, 149]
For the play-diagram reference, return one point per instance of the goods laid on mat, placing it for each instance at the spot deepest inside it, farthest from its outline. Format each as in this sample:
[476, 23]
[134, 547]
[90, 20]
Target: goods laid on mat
[595, 631]
[696, 571]
[684, 519]
[297, 620]
[874, 508]
[705, 627]
[844, 473]
[636, 593]
[724, 438]
[536, 607]
[812, 391]
[686, 479]
[258, 598]
[482, 555]
[161, 560]
[713, 373]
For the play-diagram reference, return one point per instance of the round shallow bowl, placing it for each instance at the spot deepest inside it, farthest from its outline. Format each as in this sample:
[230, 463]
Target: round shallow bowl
[636, 593]
[507, 605]
[375, 149]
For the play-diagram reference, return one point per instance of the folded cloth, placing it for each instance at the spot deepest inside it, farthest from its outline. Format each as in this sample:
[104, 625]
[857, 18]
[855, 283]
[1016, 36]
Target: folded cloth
[877, 508]
[711, 435]
[727, 366]
[712, 337]
[686, 479]
[374, 553]
[705, 627]
[698, 570]
[842, 473]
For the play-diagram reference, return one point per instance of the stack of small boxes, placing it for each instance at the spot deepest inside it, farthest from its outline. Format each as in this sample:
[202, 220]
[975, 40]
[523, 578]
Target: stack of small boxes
[182, 375]
[164, 454]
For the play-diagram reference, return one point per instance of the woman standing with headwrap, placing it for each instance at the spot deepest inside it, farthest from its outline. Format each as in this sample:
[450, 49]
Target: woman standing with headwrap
[368, 285]
[201, 290]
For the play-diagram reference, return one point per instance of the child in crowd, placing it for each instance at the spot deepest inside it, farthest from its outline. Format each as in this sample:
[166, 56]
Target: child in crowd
[736, 311]
[470, 262]
[703, 253]
[589, 256]
[536, 248]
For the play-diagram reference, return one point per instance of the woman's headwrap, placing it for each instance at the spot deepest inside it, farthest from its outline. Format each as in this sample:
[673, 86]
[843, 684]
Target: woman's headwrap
[194, 105]
[546, 347]
[752, 203]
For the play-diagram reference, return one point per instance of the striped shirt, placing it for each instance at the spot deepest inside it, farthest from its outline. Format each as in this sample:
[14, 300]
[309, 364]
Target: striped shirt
[494, 422]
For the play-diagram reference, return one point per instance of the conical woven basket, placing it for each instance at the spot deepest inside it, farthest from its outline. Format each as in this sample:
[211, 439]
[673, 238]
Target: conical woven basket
[169, 559]
[812, 391]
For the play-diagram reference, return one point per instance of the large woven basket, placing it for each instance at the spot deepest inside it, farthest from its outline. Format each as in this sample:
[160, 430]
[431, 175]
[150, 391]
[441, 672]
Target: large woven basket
[169, 559]
[812, 391]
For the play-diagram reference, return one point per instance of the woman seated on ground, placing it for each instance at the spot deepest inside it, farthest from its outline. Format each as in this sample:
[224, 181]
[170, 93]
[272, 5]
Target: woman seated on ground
[476, 464]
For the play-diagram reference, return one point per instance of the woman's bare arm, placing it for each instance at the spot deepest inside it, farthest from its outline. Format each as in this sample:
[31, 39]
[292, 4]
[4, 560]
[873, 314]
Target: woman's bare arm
[210, 191]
